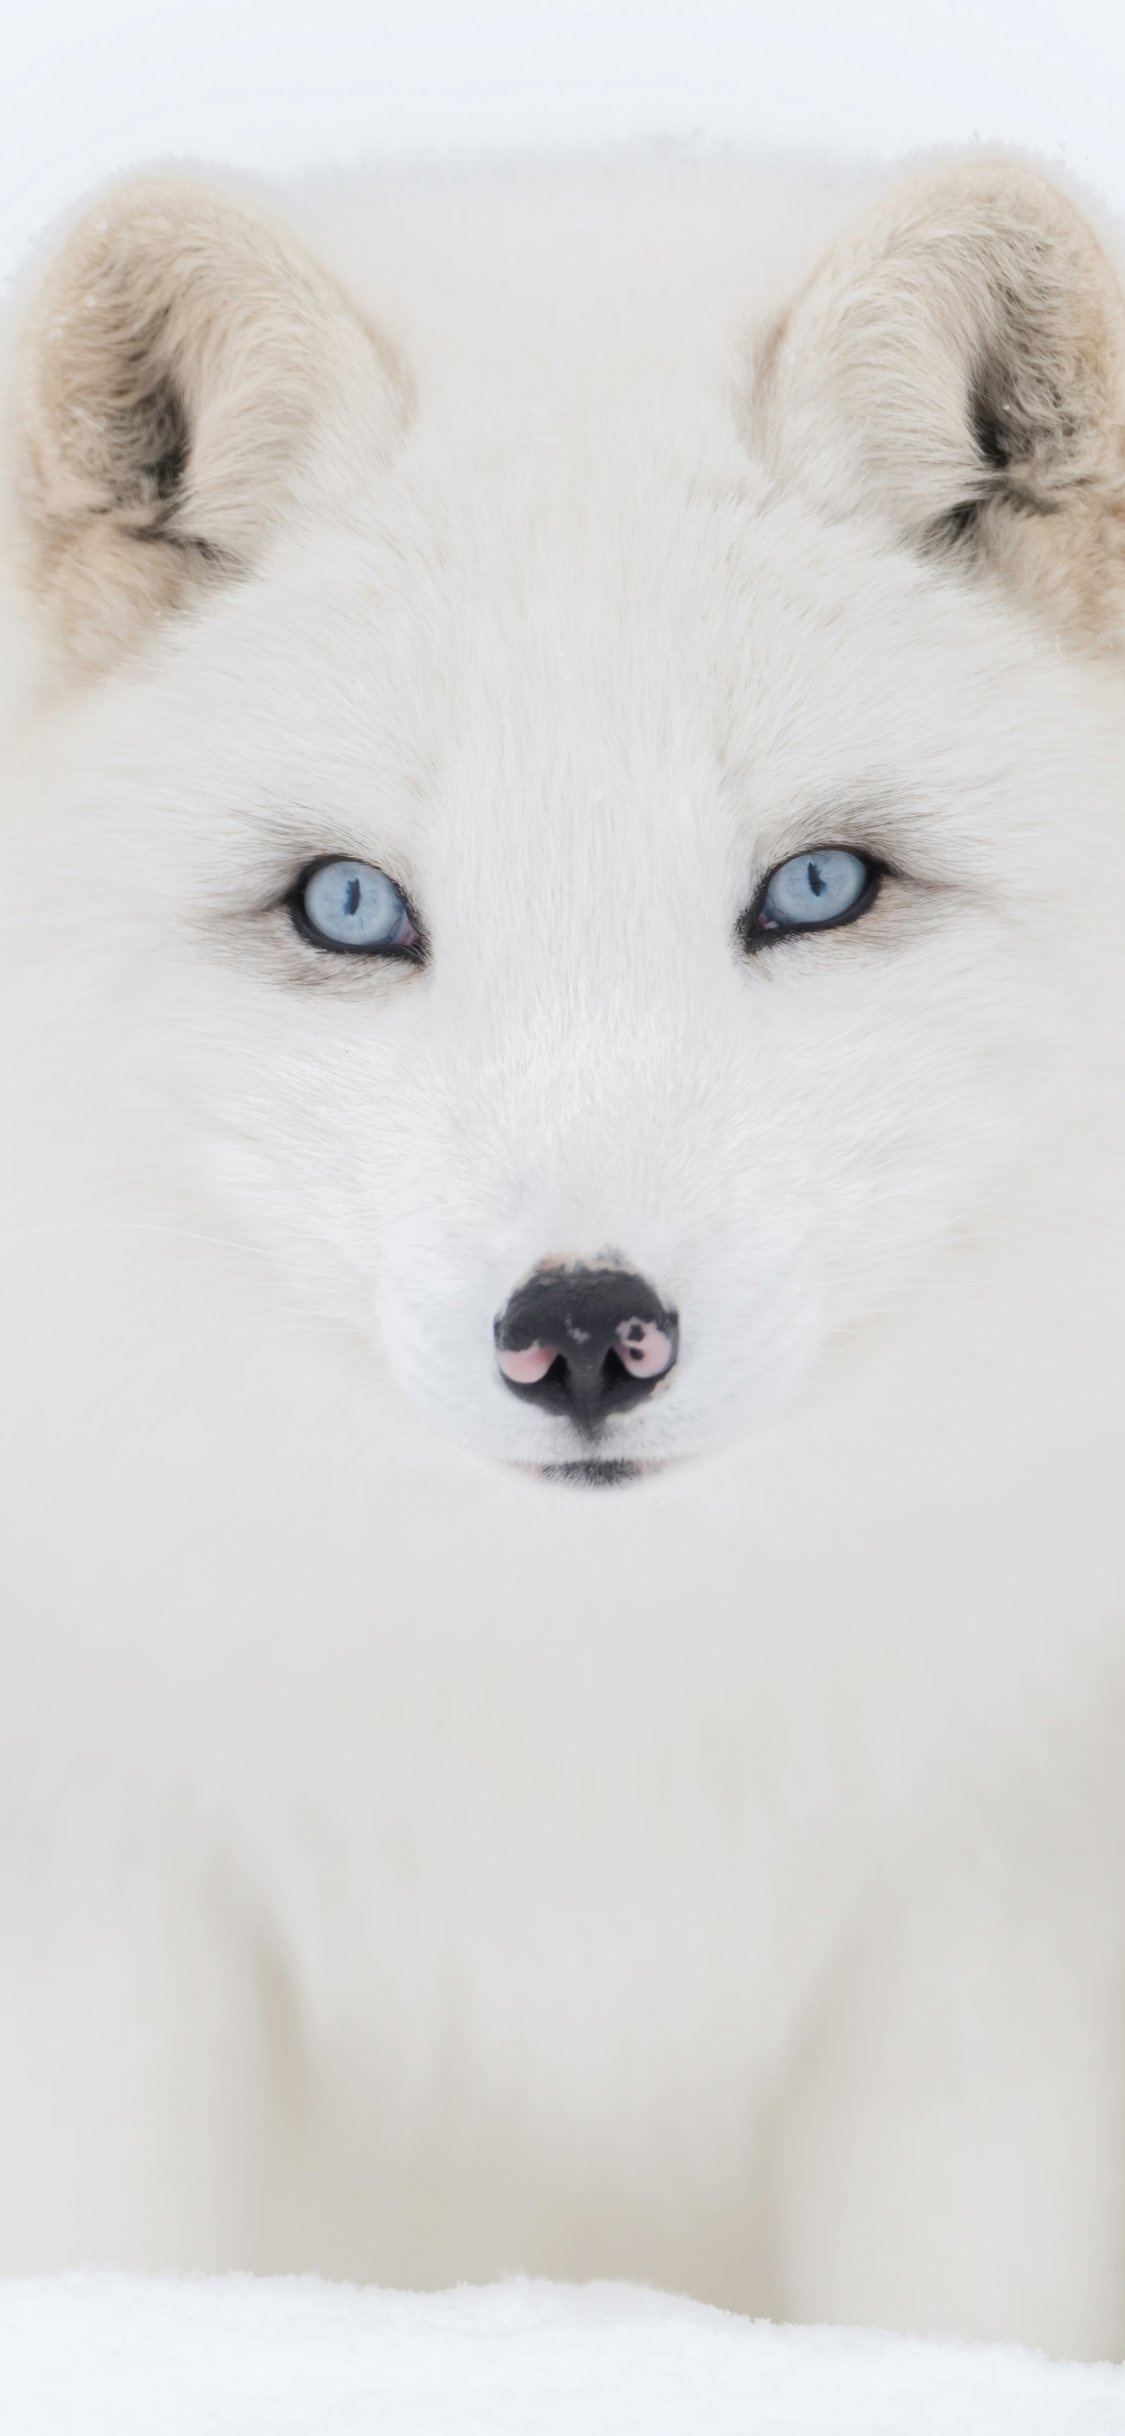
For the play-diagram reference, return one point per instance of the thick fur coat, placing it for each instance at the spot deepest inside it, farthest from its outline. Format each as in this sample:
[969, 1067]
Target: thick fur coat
[413, 1865]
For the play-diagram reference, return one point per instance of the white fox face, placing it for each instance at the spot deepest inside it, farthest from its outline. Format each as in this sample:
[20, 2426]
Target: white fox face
[564, 1098]
[580, 792]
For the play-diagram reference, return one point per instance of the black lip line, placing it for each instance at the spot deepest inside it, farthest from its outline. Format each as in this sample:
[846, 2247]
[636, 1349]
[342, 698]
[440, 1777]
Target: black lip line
[594, 1473]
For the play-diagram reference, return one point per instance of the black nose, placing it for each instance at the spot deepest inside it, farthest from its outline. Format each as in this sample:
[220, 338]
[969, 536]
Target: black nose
[585, 1342]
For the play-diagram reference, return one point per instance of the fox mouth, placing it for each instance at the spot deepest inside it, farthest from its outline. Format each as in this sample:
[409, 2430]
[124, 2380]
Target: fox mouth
[590, 1474]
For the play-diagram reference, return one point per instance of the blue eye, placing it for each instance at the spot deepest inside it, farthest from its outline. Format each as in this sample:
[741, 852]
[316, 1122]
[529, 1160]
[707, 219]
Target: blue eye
[811, 891]
[353, 908]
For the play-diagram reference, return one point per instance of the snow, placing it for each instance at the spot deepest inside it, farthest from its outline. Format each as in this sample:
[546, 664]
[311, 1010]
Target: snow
[103, 2354]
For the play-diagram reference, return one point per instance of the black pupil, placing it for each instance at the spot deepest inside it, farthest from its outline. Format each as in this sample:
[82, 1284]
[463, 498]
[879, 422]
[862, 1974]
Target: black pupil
[351, 897]
[816, 881]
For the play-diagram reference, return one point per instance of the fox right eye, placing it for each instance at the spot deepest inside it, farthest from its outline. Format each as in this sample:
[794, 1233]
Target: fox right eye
[353, 909]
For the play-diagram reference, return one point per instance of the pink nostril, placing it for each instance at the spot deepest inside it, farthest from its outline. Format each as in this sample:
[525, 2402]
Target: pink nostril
[529, 1365]
[645, 1348]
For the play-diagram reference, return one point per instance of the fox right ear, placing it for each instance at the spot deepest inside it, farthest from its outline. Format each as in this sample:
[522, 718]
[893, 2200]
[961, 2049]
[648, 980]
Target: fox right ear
[956, 369]
[180, 380]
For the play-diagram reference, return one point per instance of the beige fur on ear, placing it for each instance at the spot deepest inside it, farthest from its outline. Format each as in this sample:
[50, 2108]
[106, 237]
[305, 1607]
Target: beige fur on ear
[956, 366]
[175, 370]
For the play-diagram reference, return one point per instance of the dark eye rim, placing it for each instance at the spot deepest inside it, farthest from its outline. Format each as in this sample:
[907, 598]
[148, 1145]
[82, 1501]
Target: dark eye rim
[415, 952]
[753, 934]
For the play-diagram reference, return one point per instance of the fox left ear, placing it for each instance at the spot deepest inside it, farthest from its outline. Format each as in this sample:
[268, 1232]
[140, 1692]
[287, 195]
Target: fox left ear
[956, 368]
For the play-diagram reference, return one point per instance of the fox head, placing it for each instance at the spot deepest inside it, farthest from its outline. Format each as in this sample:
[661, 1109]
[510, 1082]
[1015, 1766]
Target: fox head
[569, 800]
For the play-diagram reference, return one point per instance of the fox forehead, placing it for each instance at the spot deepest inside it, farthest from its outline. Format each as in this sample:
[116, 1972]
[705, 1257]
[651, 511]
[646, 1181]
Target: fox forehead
[702, 661]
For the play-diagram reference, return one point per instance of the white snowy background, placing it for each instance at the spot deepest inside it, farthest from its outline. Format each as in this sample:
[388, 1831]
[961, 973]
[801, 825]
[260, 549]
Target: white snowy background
[91, 87]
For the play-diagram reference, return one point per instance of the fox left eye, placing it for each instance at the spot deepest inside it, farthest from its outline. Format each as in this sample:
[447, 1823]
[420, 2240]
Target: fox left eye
[353, 908]
[812, 891]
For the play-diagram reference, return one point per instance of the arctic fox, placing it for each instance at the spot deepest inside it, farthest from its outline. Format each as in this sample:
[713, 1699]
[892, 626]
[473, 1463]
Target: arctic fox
[563, 1286]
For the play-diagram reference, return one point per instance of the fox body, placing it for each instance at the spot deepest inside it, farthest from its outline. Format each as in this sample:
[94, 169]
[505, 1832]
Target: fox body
[625, 1780]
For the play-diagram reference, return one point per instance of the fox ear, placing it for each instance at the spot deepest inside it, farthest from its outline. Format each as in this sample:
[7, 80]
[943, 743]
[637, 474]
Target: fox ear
[956, 367]
[179, 380]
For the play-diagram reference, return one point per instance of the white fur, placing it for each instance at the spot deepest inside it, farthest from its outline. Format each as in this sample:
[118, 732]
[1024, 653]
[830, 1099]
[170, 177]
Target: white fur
[411, 1870]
